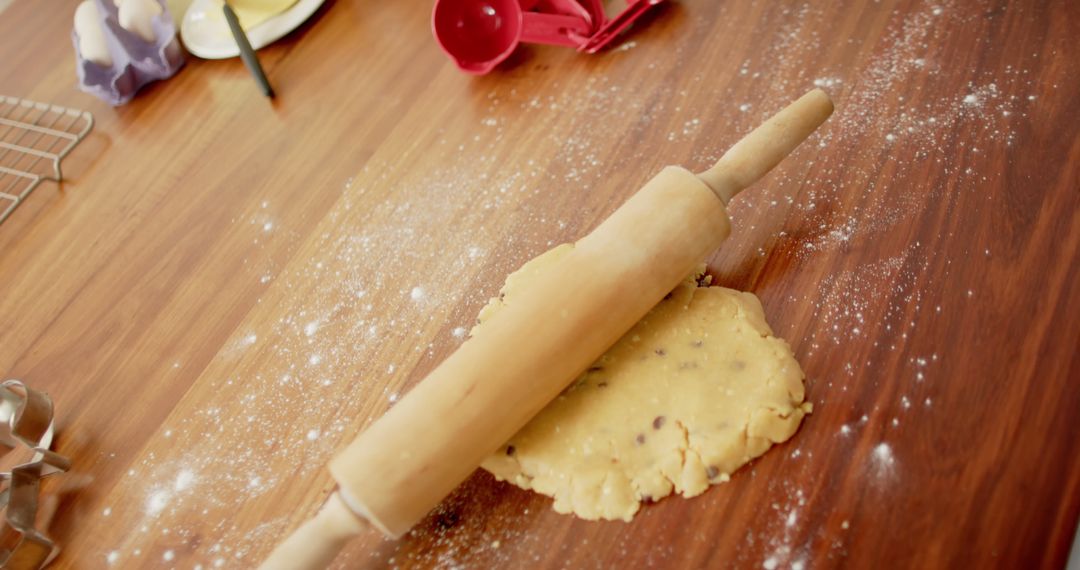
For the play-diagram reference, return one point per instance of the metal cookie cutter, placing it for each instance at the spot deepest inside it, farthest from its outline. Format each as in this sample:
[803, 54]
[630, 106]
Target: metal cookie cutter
[26, 420]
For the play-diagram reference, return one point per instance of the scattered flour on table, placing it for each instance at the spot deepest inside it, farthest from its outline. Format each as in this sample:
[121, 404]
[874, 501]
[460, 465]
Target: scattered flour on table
[883, 456]
[335, 352]
[781, 540]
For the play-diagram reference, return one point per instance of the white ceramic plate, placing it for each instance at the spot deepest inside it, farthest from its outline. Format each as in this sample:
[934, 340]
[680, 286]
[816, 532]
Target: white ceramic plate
[206, 33]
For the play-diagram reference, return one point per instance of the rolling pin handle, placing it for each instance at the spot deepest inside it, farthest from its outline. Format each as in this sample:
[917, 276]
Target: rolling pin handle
[315, 543]
[758, 152]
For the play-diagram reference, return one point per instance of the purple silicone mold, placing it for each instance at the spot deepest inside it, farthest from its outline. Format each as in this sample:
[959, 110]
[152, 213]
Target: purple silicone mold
[136, 61]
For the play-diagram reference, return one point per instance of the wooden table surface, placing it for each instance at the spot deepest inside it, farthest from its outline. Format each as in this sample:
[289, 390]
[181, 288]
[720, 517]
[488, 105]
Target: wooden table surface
[226, 289]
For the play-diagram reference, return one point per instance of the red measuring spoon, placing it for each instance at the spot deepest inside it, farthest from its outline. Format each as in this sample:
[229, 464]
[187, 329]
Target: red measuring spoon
[610, 29]
[565, 7]
[479, 34]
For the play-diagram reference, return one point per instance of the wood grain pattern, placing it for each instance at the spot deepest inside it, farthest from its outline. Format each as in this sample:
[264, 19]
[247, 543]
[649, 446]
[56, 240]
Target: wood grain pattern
[226, 290]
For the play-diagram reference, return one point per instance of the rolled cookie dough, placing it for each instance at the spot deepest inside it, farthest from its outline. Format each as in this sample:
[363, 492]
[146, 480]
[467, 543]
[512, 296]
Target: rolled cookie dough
[695, 390]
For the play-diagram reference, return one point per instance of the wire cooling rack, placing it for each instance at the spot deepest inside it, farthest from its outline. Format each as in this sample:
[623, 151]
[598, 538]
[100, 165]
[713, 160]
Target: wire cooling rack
[34, 138]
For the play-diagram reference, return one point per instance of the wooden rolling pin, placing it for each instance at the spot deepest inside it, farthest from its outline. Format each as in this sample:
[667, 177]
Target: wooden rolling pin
[406, 462]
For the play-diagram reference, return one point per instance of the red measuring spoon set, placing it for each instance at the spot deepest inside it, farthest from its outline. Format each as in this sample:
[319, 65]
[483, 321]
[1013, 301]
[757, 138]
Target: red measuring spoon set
[480, 34]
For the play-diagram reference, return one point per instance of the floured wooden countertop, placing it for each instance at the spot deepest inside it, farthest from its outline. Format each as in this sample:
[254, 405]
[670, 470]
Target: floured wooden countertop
[227, 290]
